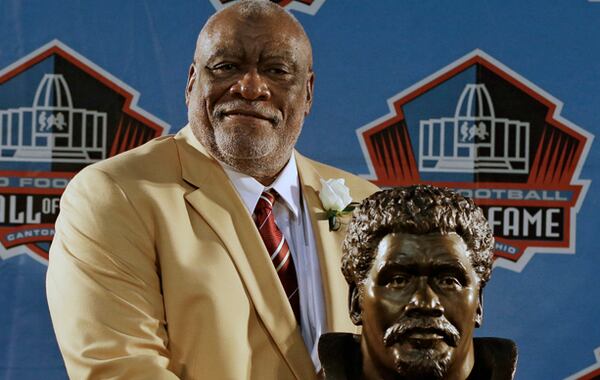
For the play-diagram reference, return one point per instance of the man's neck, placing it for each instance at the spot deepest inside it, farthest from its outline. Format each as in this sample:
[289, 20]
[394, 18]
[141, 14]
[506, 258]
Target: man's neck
[267, 181]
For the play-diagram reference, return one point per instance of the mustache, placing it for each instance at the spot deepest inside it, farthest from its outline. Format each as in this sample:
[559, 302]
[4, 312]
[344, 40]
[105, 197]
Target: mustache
[406, 326]
[255, 109]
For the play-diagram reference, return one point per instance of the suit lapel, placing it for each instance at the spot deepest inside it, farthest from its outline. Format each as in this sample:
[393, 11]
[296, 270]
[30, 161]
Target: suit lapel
[219, 204]
[328, 244]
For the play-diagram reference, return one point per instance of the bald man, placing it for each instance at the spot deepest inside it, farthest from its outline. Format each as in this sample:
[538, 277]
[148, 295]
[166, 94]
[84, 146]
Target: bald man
[160, 268]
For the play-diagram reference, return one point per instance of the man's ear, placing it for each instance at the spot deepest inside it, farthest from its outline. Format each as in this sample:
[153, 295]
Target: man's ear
[354, 305]
[479, 311]
[190, 83]
[309, 92]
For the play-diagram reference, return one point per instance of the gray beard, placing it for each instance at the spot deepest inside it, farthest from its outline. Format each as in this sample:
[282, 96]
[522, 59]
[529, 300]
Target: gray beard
[251, 162]
[257, 159]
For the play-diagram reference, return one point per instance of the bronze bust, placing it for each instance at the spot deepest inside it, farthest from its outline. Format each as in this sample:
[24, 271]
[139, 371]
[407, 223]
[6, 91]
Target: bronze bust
[417, 260]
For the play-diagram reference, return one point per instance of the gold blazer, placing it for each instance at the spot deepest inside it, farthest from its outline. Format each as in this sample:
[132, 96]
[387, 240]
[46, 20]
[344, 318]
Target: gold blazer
[157, 271]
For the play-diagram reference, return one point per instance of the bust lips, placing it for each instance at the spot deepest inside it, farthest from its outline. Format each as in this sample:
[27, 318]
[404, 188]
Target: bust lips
[425, 334]
[422, 333]
[425, 338]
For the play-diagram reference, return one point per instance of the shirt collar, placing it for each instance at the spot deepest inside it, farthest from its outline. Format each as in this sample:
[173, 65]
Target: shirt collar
[286, 185]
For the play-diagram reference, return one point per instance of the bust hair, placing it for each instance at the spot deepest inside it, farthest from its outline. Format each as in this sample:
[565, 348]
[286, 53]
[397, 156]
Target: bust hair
[419, 210]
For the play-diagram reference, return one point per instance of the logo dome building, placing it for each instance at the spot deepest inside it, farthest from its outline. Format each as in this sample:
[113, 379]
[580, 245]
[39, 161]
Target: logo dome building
[52, 129]
[474, 140]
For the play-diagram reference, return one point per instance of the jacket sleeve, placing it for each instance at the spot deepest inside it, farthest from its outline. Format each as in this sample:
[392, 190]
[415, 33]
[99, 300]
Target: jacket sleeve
[103, 285]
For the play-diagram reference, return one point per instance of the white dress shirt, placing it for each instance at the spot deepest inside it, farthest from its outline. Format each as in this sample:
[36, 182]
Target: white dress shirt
[293, 219]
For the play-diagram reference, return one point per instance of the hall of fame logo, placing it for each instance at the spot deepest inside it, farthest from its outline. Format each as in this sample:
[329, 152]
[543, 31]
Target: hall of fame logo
[480, 128]
[58, 113]
[306, 6]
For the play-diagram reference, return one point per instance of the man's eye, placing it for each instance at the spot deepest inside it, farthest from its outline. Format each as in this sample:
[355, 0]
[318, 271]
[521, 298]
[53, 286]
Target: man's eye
[277, 70]
[223, 67]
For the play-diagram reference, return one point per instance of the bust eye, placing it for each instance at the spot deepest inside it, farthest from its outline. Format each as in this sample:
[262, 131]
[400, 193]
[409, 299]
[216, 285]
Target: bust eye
[449, 282]
[398, 281]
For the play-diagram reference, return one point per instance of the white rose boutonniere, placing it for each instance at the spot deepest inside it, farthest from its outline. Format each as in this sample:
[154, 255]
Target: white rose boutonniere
[336, 199]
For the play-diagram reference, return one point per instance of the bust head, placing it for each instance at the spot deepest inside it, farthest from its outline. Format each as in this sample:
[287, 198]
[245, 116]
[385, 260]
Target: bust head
[416, 260]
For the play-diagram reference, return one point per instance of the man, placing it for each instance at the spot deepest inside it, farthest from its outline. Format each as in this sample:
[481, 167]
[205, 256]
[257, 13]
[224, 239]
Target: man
[417, 260]
[158, 270]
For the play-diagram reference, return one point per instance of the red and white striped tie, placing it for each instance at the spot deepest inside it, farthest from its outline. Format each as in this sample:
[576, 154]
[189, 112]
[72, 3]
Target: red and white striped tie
[278, 249]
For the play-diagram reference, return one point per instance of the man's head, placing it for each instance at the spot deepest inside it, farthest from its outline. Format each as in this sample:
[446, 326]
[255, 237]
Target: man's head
[250, 86]
[417, 259]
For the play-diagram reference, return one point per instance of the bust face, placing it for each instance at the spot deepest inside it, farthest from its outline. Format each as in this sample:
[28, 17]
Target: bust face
[419, 305]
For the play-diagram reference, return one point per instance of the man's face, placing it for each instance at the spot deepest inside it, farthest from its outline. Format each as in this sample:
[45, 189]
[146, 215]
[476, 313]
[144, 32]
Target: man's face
[420, 304]
[249, 91]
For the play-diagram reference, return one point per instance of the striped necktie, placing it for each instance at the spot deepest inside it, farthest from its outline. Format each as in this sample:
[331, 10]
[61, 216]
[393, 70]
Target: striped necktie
[278, 248]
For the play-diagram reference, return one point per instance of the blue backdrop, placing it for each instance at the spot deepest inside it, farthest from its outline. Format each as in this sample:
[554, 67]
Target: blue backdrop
[365, 53]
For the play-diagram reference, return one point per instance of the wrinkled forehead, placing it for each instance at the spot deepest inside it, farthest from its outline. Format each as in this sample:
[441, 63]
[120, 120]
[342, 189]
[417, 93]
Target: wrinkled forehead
[232, 33]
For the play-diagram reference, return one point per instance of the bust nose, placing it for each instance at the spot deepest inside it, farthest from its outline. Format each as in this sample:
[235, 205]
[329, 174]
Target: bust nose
[251, 86]
[424, 301]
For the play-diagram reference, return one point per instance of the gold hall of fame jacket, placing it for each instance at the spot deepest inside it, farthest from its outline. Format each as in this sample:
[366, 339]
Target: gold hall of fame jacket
[157, 271]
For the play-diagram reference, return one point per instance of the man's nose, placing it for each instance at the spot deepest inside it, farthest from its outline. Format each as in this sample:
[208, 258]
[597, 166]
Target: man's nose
[251, 86]
[424, 301]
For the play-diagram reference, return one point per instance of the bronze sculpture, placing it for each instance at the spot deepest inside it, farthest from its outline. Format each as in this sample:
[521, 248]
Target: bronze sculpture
[416, 260]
